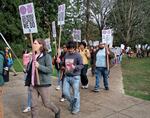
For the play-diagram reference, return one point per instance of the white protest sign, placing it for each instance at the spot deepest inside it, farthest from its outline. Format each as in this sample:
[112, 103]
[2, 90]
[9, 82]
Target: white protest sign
[90, 42]
[139, 45]
[77, 35]
[28, 19]
[54, 29]
[61, 14]
[122, 46]
[48, 45]
[107, 37]
[95, 43]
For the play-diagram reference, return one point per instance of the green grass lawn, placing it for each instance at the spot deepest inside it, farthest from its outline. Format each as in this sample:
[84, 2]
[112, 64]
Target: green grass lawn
[17, 66]
[136, 77]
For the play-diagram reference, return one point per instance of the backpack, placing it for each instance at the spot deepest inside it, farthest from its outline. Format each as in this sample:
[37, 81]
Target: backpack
[8, 59]
[3, 57]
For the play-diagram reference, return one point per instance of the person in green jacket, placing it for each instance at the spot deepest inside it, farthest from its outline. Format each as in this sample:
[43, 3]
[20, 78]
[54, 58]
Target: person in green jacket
[44, 66]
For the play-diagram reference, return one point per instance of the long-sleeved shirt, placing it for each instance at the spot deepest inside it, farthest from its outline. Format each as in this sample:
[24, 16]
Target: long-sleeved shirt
[71, 60]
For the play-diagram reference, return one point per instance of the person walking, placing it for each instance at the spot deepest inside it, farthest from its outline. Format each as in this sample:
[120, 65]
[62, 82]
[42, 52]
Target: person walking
[72, 66]
[57, 67]
[85, 54]
[101, 69]
[42, 63]
[62, 73]
[26, 59]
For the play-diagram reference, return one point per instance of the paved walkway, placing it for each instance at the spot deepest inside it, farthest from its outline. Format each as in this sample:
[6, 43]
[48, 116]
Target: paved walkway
[105, 104]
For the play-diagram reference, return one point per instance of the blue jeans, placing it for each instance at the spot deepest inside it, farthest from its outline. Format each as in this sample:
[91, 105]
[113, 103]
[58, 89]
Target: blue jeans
[99, 73]
[74, 100]
[58, 77]
[29, 97]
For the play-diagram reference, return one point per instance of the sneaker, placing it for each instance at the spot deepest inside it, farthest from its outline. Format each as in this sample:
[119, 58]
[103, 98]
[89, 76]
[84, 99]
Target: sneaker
[58, 88]
[106, 88]
[15, 74]
[57, 115]
[83, 87]
[96, 90]
[75, 112]
[86, 87]
[62, 99]
[27, 110]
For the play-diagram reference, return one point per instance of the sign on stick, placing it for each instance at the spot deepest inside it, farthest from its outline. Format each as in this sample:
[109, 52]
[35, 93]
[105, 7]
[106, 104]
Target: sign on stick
[28, 19]
[54, 29]
[61, 14]
[77, 35]
[107, 37]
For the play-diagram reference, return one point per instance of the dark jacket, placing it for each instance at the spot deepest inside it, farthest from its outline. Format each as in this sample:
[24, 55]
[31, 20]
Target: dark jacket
[44, 70]
[76, 60]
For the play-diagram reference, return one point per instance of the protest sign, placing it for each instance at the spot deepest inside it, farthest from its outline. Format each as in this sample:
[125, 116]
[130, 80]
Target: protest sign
[122, 46]
[95, 43]
[61, 21]
[48, 44]
[61, 14]
[28, 19]
[77, 35]
[107, 37]
[29, 26]
[54, 29]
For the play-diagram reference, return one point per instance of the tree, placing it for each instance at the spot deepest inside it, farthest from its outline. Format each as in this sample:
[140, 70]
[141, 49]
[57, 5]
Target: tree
[128, 19]
[99, 10]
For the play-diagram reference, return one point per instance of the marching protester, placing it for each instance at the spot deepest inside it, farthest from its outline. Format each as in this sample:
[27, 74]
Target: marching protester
[63, 53]
[9, 60]
[26, 59]
[8, 63]
[57, 67]
[42, 64]
[92, 53]
[72, 66]
[85, 54]
[101, 69]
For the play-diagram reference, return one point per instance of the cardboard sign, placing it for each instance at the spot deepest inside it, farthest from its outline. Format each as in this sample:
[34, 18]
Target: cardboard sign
[48, 45]
[54, 29]
[77, 35]
[28, 19]
[95, 43]
[107, 37]
[90, 43]
[122, 46]
[61, 14]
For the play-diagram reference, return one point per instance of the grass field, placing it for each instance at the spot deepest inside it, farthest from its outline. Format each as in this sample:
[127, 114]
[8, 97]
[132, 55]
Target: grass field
[136, 77]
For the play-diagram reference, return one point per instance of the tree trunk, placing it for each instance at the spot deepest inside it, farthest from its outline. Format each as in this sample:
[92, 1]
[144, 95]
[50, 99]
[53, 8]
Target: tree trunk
[87, 18]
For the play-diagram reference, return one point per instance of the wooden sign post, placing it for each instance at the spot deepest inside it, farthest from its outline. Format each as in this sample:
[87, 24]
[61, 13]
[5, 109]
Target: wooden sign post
[61, 21]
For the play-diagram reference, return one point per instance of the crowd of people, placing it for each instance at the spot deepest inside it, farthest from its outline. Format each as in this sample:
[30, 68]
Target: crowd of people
[71, 63]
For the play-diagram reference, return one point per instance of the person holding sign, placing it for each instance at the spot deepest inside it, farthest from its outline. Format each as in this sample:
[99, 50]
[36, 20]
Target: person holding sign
[42, 63]
[102, 69]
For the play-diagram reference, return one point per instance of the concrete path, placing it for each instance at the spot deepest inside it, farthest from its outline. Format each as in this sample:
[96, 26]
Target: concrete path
[105, 104]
